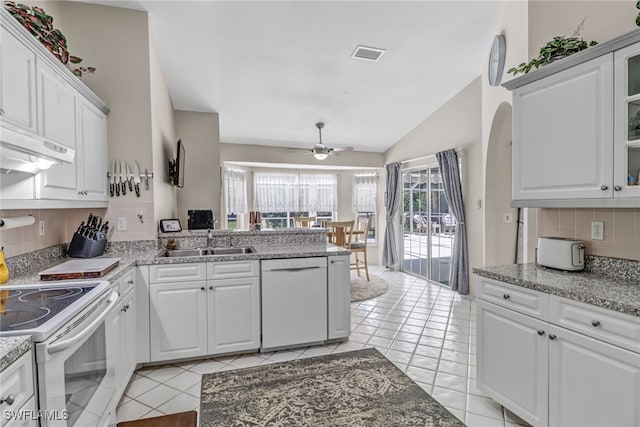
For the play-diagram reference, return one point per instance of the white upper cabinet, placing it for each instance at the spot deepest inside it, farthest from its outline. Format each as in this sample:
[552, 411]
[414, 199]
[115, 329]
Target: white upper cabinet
[576, 129]
[627, 125]
[563, 131]
[17, 83]
[40, 99]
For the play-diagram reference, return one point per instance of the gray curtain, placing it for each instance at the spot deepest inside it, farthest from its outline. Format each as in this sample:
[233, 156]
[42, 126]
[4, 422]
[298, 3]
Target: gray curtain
[450, 171]
[392, 202]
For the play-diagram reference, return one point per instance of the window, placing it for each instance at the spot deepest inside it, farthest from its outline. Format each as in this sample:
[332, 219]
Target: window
[235, 193]
[365, 190]
[279, 196]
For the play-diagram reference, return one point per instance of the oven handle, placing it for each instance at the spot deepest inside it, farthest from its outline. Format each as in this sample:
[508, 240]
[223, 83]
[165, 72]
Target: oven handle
[59, 346]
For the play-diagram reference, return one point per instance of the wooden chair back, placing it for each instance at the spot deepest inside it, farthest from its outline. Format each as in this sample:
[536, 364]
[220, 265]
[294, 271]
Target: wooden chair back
[340, 232]
[362, 223]
[303, 221]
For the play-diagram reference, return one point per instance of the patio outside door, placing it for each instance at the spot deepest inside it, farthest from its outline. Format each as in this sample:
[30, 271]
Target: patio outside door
[429, 227]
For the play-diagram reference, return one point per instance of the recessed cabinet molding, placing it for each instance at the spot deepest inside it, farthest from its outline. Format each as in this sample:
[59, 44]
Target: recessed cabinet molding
[41, 99]
[572, 143]
[559, 369]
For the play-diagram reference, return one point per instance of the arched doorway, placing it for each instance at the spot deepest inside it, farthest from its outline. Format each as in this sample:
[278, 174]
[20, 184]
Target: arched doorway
[501, 220]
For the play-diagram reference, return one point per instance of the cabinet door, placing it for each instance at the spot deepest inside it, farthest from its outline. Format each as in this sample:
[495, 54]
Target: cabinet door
[563, 134]
[127, 340]
[234, 315]
[591, 383]
[93, 155]
[512, 361]
[17, 83]
[57, 104]
[627, 122]
[178, 320]
[339, 297]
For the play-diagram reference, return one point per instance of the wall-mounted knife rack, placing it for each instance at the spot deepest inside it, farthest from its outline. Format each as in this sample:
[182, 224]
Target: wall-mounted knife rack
[127, 175]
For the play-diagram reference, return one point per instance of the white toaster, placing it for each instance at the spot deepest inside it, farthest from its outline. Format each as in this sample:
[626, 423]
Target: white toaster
[561, 253]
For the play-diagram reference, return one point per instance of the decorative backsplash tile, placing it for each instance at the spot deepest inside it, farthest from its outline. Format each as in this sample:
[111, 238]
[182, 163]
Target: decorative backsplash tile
[621, 230]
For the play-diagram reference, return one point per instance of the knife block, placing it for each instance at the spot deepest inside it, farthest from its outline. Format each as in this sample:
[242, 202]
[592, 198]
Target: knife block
[82, 247]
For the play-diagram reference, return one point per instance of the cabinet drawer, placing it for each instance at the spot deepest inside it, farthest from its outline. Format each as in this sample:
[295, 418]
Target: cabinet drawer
[169, 273]
[17, 380]
[232, 269]
[523, 300]
[607, 325]
[127, 282]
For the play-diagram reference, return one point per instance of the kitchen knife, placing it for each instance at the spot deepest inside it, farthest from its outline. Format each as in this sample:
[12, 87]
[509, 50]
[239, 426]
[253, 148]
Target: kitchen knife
[123, 185]
[115, 178]
[105, 227]
[136, 177]
[112, 180]
[129, 177]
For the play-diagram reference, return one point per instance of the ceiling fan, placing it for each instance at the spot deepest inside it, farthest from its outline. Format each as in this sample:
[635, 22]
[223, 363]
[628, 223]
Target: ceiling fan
[321, 151]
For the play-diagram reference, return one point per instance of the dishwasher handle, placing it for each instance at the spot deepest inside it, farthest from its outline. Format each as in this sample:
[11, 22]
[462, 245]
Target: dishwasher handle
[296, 268]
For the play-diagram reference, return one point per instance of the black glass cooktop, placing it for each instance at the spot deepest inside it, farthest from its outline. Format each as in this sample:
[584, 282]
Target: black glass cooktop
[30, 308]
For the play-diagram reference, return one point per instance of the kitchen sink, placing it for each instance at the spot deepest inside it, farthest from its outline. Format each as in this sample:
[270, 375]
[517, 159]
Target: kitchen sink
[234, 250]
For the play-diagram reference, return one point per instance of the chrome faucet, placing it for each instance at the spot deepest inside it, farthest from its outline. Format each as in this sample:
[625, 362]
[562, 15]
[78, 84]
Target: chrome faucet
[209, 239]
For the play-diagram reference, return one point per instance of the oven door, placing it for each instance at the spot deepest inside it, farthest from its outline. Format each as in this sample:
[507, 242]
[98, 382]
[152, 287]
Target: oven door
[76, 380]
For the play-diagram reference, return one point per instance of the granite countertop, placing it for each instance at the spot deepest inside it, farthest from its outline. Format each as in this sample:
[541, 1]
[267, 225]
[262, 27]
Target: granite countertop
[11, 348]
[610, 292]
[152, 257]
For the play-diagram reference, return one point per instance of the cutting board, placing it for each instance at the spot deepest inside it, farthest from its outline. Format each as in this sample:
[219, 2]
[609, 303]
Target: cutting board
[80, 269]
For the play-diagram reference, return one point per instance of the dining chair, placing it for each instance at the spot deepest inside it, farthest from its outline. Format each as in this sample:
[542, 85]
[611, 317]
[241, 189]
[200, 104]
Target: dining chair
[303, 221]
[340, 232]
[359, 245]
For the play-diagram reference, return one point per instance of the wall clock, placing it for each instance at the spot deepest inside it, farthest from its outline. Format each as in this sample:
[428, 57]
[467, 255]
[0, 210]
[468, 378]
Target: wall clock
[496, 59]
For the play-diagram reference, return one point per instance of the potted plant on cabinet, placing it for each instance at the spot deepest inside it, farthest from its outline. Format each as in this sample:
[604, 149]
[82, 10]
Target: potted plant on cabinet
[38, 23]
[557, 48]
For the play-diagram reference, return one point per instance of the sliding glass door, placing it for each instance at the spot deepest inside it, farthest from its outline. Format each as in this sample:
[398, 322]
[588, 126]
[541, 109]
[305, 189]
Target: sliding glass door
[429, 227]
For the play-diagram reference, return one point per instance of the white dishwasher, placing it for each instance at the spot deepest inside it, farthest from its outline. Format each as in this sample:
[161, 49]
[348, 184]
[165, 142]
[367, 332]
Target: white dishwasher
[294, 302]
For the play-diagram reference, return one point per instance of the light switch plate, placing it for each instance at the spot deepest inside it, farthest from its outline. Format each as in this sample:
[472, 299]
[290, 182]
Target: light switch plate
[121, 223]
[597, 230]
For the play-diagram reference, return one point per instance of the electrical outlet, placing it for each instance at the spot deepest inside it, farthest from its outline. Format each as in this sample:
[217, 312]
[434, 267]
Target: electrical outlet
[597, 230]
[41, 227]
[507, 217]
[122, 223]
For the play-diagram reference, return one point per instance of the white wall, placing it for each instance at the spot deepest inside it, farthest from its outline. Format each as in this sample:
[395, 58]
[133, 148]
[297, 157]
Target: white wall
[455, 124]
[200, 134]
[163, 139]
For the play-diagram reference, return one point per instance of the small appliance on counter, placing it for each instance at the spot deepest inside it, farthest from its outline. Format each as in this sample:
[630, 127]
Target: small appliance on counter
[89, 240]
[200, 219]
[561, 253]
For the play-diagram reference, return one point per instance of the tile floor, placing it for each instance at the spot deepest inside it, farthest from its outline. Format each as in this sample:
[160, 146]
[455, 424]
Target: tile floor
[424, 329]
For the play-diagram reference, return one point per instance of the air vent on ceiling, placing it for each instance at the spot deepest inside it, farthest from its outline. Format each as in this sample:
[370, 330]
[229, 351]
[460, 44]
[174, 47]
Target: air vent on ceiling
[367, 53]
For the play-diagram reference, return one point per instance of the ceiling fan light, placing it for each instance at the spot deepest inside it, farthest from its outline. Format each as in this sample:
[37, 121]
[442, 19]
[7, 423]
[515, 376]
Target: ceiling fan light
[320, 156]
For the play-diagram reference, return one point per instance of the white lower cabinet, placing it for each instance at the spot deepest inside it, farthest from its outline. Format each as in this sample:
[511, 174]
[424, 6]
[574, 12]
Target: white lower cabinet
[178, 320]
[17, 393]
[338, 297]
[512, 360]
[550, 375]
[233, 315]
[123, 354]
[218, 314]
[591, 383]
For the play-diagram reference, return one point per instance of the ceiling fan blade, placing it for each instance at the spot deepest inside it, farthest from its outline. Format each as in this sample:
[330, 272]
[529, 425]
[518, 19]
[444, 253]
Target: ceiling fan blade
[343, 149]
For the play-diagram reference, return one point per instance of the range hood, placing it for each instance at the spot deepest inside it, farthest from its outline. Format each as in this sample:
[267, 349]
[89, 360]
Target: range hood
[30, 153]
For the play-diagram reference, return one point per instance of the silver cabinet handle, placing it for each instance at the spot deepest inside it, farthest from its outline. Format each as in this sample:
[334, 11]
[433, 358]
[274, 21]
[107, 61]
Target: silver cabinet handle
[202, 288]
[1, 112]
[541, 332]
[130, 282]
[552, 337]
[604, 187]
[595, 323]
[506, 296]
[210, 288]
[617, 187]
[8, 400]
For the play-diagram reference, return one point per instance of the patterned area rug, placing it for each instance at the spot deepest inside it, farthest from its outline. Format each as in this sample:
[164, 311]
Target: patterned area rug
[361, 289]
[356, 388]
